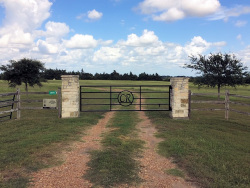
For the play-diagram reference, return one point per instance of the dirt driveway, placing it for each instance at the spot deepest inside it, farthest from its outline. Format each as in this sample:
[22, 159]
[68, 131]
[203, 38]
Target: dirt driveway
[70, 173]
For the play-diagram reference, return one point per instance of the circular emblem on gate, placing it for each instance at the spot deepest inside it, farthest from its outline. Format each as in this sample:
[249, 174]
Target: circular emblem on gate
[125, 98]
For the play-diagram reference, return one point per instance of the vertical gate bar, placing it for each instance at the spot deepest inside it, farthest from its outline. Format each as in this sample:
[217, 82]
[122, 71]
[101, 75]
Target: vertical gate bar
[110, 98]
[140, 98]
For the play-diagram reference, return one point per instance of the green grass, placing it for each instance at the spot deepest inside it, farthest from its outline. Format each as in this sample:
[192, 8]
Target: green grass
[213, 151]
[209, 149]
[175, 172]
[115, 164]
[31, 143]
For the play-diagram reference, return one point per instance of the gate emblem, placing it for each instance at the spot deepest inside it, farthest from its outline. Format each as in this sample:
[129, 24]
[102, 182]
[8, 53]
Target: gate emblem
[125, 98]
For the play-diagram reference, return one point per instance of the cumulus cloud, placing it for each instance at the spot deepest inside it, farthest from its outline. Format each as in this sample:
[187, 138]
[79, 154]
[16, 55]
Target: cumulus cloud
[46, 48]
[172, 10]
[107, 54]
[91, 15]
[25, 14]
[146, 51]
[16, 38]
[56, 29]
[94, 15]
[147, 38]
[22, 18]
[79, 41]
[244, 55]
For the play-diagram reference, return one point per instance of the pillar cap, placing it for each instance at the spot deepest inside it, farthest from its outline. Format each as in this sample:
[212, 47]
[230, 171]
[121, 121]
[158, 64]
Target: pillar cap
[69, 76]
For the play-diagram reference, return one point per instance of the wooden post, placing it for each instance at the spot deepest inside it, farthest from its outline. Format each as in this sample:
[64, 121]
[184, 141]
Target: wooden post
[59, 102]
[227, 105]
[189, 103]
[18, 104]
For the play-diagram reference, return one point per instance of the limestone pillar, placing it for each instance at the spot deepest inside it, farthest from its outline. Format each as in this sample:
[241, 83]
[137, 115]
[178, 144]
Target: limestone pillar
[179, 97]
[70, 96]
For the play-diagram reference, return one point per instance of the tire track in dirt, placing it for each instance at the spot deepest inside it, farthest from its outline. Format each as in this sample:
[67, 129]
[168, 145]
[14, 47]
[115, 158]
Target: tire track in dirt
[70, 173]
[153, 166]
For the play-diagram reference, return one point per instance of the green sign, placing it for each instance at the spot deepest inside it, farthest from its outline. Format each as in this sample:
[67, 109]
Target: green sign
[52, 92]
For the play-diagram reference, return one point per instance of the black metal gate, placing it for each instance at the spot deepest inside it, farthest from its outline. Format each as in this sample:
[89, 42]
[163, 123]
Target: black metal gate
[96, 98]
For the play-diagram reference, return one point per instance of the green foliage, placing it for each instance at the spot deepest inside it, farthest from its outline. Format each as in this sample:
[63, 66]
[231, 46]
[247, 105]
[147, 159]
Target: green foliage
[57, 73]
[27, 71]
[218, 70]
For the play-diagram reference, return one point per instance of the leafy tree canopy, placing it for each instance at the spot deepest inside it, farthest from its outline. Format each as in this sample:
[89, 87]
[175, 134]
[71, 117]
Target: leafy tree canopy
[27, 71]
[218, 70]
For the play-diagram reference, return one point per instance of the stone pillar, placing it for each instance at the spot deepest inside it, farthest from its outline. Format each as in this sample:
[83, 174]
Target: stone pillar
[179, 97]
[70, 96]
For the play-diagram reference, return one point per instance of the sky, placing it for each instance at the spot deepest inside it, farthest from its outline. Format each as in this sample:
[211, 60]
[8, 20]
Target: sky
[152, 36]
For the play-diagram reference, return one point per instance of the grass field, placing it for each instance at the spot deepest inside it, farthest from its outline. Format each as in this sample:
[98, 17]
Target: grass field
[209, 149]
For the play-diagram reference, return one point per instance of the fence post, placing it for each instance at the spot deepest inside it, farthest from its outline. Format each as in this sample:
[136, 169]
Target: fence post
[59, 102]
[18, 104]
[227, 105]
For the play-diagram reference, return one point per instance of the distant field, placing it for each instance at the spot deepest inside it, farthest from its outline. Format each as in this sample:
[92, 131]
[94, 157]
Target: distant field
[207, 147]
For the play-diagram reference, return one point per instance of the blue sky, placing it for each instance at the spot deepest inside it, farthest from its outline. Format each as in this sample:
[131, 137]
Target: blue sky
[153, 36]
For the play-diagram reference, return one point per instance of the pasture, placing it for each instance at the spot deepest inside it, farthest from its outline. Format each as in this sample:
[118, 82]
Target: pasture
[207, 148]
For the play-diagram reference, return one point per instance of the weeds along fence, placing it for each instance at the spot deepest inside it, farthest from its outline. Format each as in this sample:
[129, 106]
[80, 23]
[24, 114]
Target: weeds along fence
[232, 102]
[14, 103]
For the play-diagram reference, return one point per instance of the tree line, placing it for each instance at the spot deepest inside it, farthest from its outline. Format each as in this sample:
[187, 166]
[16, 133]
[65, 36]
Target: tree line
[55, 74]
[215, 70]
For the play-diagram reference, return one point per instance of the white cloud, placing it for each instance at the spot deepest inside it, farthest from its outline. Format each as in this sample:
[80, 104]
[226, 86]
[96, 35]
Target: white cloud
[46, 48]
[94, 15]
[244, 55]
[197, 46]
[225, 13]
[25, 14]
[171, 10]
[22, 17]
[170, 15]
[16, 38]
[56, 29]
[240, 23]
[107, 54]
[79, 41]
[147, 38]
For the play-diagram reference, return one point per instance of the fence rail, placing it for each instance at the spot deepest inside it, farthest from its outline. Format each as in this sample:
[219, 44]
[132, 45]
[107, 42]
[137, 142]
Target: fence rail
[226, 102]
[7, 103]
[18, 101]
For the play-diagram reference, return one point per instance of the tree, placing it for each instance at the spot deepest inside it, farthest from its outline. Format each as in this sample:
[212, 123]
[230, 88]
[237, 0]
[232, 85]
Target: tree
[27, 71]
[218, 70]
